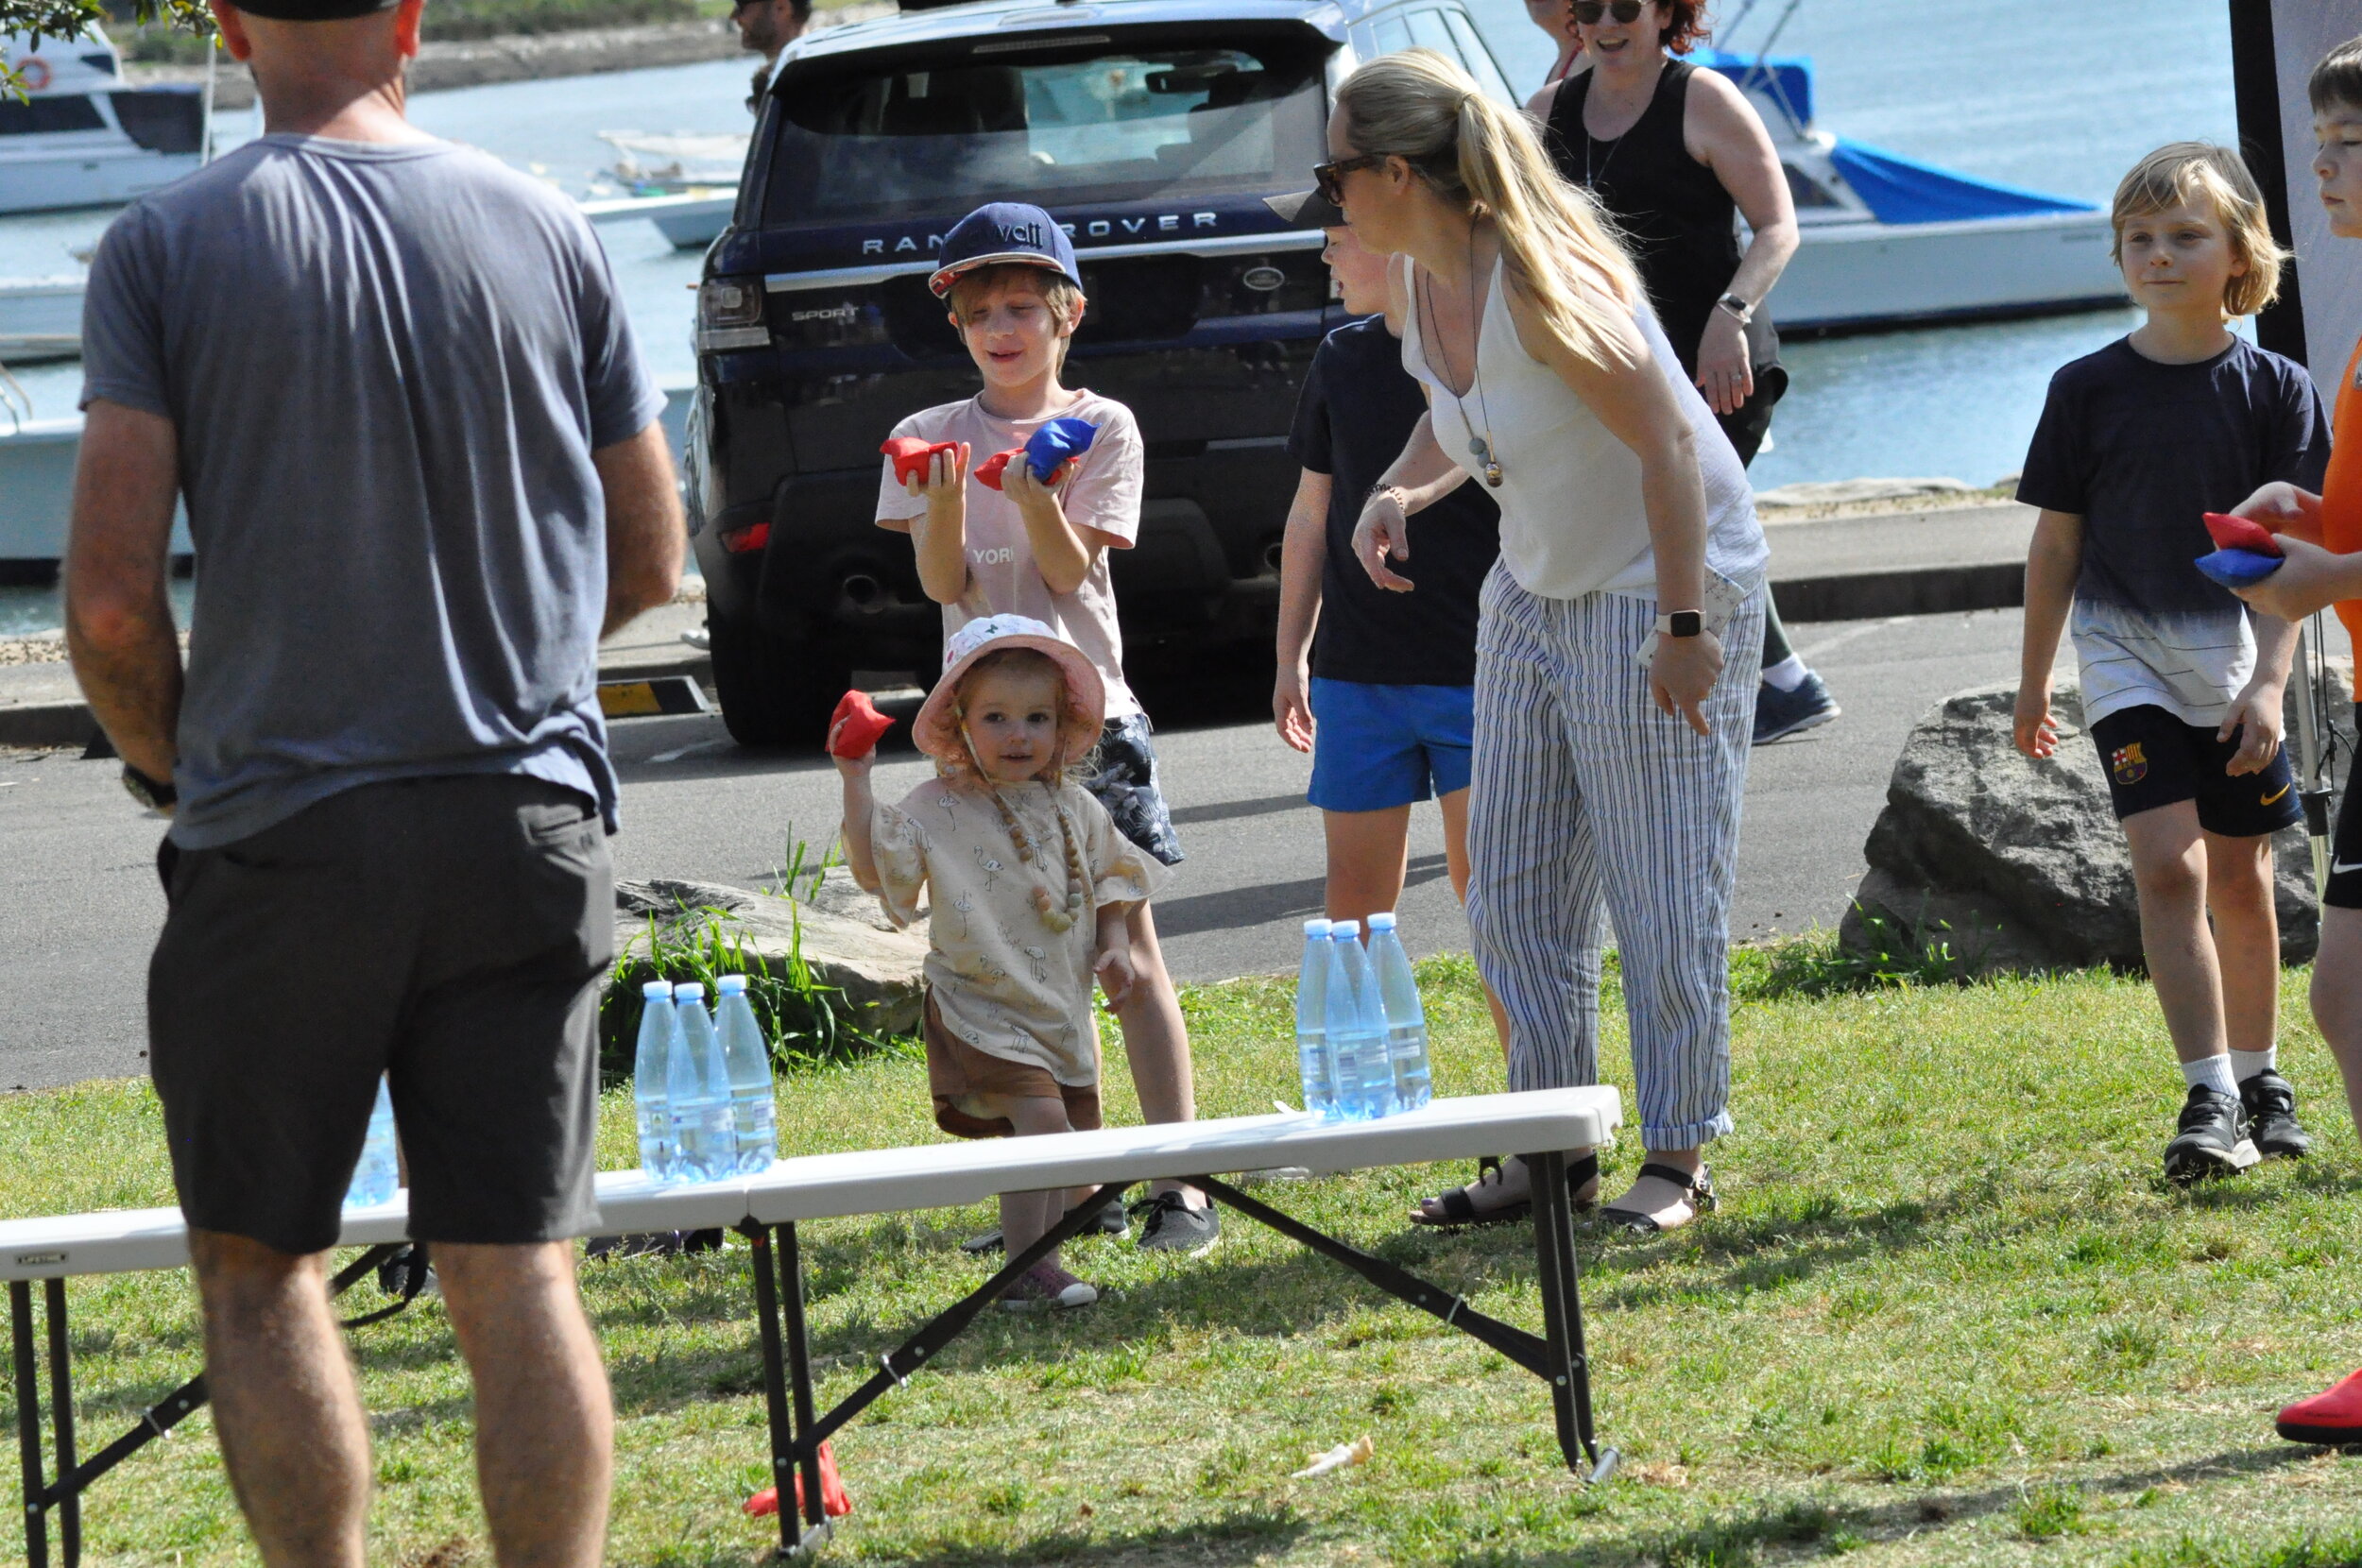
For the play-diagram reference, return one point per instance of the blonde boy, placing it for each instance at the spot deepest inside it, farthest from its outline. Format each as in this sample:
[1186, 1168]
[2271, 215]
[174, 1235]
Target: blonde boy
[2181, 685]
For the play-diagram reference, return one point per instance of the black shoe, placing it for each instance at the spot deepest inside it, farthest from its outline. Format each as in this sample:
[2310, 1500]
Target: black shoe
[2212, 1139]
[2271, 1104]
[409, 1273]
[1111, 1222]
[1780, 714]
[1168, 1224]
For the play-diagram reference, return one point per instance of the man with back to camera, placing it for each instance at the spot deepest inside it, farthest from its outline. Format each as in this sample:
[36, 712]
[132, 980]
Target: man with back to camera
[765, 27]
[423, 469]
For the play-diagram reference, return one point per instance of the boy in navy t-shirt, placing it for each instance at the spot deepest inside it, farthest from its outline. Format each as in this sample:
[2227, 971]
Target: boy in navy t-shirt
[2182, 684]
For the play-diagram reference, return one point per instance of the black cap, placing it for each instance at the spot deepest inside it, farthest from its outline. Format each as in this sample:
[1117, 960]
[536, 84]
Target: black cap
[314, 10]
[1306, 210]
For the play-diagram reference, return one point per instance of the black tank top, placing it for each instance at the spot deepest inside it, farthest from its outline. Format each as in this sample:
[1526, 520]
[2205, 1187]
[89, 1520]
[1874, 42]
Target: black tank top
[1681, 223]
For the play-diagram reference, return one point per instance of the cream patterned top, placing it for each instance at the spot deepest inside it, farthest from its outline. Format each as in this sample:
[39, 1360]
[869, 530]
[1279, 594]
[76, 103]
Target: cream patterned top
[1002, 981]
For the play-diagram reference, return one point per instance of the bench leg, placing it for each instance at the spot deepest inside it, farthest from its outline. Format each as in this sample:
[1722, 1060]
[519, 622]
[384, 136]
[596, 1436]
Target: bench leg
[29, 1423]
[815, 1526]
[1569, 1374]
[774, 1379]
[61, 1419]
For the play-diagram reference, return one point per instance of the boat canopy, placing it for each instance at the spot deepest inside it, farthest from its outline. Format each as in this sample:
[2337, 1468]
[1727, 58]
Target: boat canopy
[1904, 189]
[1786, 79]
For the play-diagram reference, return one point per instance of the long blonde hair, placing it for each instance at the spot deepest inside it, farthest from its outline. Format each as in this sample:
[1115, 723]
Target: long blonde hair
[1428, 111]
[2182, 171]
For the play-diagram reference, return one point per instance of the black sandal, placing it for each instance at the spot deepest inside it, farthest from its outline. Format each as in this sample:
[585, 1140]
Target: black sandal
[1699, 1188]
[1460, 1211]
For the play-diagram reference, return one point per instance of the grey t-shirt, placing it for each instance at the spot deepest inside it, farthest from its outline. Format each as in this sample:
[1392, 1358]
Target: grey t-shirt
[388, 365]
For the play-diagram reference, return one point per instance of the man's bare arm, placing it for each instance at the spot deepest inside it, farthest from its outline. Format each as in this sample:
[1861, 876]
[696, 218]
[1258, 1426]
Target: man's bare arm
[118, 622]
[645, 531]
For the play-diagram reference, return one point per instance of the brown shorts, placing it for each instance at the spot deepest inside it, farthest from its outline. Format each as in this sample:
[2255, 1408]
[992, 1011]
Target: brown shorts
[956, 1071]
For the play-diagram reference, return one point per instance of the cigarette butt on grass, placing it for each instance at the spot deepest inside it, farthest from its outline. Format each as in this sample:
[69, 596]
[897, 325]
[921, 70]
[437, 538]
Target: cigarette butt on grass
[1356, 1452]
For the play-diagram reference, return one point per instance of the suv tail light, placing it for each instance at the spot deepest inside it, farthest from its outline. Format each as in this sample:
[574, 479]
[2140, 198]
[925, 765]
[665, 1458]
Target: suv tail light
[729, 315]
[745, 541]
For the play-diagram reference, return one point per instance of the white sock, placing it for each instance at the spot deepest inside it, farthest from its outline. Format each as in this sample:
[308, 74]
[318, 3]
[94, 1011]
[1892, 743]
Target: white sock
[1788, 675]
[2213, 1071]
[2247, 1064]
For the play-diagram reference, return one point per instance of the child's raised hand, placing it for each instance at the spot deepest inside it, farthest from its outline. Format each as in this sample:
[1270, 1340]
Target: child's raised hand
[850, 767]
[2035, 728]
[1116, 975]
[946, 473]
[1019, 483]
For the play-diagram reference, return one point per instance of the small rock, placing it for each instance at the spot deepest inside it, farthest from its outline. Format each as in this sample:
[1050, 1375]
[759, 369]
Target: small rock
[878, 968]
[1848, 492]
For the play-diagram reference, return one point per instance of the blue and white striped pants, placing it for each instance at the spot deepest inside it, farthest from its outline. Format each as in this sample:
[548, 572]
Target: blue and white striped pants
[1585, 797]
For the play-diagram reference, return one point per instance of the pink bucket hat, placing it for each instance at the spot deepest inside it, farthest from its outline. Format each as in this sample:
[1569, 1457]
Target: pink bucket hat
[937, 730]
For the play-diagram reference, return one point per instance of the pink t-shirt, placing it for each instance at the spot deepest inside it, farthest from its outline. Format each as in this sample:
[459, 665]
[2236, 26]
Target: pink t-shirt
[1101, 498]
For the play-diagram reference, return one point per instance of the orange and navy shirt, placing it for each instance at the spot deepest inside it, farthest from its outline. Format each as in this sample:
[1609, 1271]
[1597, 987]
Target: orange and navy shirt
[2341, 491]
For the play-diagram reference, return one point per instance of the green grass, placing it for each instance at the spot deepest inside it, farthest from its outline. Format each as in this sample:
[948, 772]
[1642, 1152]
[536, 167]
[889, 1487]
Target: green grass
[1947, 1314]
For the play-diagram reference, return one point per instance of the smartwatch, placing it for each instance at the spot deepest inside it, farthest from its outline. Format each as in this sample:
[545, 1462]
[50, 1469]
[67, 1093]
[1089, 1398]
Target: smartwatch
[1681, 623]
[155, 795]
[1742, 309]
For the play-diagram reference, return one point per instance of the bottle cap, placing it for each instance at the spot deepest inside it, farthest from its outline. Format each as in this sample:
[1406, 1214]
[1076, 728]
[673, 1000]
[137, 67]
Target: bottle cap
[1382, 921]
[730, 985]
[689, 991]
[1316, 928]
[656, 990]
[1344, 929]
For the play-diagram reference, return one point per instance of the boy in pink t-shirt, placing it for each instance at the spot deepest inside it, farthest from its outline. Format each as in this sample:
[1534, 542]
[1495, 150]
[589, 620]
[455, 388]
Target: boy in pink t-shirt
[1040, 549]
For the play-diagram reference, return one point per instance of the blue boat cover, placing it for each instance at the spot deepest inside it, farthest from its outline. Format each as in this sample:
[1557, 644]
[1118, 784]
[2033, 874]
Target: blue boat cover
[1903, 190]
[1786, 78]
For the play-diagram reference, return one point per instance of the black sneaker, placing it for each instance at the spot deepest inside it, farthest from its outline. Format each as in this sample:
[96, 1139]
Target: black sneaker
[1111, 1222]
[1168, 1224]
[2212, 1139]
[2271, 1104]
[1780, 714]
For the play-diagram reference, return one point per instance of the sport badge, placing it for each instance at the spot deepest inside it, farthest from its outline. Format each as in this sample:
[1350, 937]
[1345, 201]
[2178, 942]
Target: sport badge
[2130, 764]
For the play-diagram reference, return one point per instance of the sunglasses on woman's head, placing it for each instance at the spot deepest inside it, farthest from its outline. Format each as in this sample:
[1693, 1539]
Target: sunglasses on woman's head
[1590, 13]
[1330, 178]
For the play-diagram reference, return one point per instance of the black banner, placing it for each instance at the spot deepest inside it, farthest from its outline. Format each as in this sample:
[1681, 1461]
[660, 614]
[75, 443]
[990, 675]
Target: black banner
[2274, 44]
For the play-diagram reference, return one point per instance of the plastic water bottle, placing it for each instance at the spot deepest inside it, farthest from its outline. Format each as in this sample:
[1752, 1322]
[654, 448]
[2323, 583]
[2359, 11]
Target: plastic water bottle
[651, 1065]
[1406, 1020]
[749, 1060]
[1320, 1077]
[697, 1086]
[374, 1178]
[1355, 1029]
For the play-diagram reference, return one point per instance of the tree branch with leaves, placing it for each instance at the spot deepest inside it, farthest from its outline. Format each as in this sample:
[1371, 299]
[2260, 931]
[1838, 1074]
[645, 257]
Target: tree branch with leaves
[67, 19]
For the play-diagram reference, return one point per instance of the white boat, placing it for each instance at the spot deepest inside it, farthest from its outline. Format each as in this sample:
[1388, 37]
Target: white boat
[685, 182]
[40, 318]
[81, 138]
[692, 219]
[1888, 241]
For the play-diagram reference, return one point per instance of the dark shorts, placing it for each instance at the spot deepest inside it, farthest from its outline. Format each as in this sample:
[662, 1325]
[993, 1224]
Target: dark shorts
[1375, 747]
[2152, 759]
[2344, 891]
[1123, 778]
[450, 933]
[957, 1072]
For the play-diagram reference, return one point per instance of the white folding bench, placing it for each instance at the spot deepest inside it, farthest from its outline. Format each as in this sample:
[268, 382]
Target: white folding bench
[1539, 1123]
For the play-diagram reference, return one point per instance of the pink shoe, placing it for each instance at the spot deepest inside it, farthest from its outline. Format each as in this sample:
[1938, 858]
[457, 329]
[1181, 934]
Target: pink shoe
[2334, 1417]
[1046, 1288]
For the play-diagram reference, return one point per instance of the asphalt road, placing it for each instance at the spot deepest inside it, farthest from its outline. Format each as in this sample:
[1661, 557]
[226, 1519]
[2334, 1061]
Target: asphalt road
[81, 905]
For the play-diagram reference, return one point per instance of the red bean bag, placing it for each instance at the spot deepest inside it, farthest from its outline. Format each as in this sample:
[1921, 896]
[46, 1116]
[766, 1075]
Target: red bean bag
[2242, 534]
[864, 726]
[913, 456]
[834, 1502]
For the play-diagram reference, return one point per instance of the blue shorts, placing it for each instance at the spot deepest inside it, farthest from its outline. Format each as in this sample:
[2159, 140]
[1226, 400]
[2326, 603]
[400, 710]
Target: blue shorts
[1381, 746]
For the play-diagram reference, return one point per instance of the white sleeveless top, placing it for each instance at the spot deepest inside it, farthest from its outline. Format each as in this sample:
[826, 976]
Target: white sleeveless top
[1572, 519]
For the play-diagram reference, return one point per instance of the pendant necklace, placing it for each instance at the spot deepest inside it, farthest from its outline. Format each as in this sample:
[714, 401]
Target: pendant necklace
[1045, 902]
[1479, 447]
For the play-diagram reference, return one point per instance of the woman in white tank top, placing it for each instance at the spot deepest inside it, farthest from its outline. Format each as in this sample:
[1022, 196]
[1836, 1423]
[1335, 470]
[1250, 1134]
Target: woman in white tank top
[1601, 785]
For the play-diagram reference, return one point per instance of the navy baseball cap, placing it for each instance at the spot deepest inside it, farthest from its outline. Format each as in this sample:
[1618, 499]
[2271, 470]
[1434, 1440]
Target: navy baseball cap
[1005, 232]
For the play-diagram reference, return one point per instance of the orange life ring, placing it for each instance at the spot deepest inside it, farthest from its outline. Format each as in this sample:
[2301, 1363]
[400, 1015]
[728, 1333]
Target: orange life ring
[34, 73]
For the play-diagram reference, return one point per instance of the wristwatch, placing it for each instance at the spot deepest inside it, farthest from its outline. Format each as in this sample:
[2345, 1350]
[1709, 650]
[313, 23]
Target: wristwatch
[156, 796]
[1742, 309]
[1681, 623]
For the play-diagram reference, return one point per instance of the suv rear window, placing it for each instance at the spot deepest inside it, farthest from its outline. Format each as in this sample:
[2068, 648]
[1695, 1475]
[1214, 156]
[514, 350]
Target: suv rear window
[1086, 120]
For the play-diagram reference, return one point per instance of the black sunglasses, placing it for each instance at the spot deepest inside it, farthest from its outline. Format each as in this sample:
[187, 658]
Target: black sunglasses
[1330, 178]
[1590, 13]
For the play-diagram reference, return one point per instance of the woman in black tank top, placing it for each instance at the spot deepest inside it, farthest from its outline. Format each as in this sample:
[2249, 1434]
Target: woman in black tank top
[1675, 154]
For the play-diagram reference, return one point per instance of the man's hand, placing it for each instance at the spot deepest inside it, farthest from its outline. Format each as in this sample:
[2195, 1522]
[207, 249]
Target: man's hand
[2309, 579]
[1290, 710]
[1116, 974]
[1681, 675]
[2255, 716]
[2035, 729]
[1726, 375]
[2285, 509]
[947, 472]
[1383, 530]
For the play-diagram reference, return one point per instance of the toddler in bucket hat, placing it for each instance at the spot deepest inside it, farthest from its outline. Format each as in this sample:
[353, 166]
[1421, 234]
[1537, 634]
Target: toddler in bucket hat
[940, 729]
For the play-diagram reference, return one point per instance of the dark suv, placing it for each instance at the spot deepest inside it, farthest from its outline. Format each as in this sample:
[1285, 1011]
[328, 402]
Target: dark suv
[1151, 129]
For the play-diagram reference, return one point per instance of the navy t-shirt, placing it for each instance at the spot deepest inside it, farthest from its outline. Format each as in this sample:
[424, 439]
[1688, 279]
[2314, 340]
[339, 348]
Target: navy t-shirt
[2141, 451]
[1356, 413]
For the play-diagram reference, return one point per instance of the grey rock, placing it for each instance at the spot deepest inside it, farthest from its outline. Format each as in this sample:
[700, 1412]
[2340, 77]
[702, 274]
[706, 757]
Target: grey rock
[878, 968]
[2018, 863]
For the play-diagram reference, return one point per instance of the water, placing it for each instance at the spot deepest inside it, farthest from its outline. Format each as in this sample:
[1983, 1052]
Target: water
[1313, 1065]
[697, 1088]
[1406, 1020]
[1355, 1029]
[2063, 98]
[651, 1064]
[375, 1178]
[750, 1062]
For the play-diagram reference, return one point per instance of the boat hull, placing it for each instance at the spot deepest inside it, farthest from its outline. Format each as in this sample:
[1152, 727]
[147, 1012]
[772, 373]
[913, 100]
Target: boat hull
[100, 177]
[691, 221]
[1860, 276]
[40, 318]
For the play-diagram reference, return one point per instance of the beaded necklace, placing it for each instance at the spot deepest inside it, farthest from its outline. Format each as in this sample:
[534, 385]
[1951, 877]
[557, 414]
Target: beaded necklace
[1059, 919]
